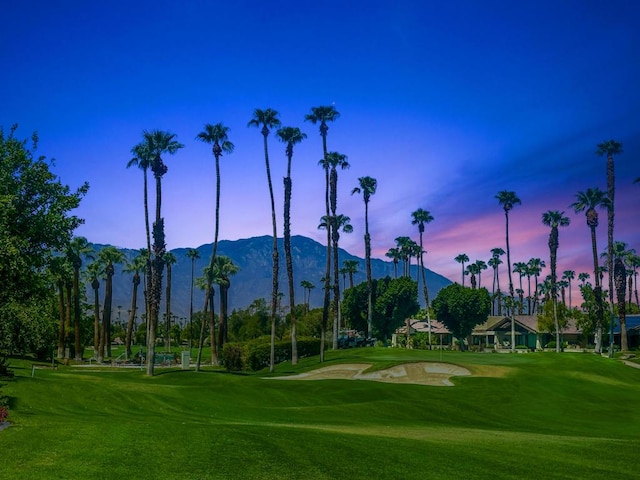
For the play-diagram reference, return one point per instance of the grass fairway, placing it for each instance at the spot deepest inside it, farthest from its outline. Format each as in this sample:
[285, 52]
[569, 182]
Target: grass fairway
[538, 415]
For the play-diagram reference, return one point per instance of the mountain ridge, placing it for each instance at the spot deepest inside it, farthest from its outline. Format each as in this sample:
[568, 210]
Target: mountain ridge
[253, 256]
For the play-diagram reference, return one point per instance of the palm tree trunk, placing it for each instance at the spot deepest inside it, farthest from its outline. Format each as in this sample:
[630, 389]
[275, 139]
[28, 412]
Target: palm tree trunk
[509, 310]
[76, 312]
[132, 315]
[610, 222]
[275, 259]
[96, 319]
[167, 333]
[61, 318]
[289, 264]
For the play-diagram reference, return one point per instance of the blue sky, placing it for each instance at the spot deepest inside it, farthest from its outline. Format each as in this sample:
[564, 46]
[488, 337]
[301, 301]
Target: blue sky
[444, 103]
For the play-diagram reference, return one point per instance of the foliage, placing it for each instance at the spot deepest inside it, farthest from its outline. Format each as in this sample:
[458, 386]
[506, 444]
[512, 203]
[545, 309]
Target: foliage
[34, 222]
[394, 300]
[258, 351]
[4, 414]
[546, 322]
[587, 315]
[461, 308]
[233, 357]
[397, 302]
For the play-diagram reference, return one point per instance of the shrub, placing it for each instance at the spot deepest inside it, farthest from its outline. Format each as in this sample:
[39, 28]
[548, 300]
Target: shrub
[522, 347]
[4, 414]
[233, 357]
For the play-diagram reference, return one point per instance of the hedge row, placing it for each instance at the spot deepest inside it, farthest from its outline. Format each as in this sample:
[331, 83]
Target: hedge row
[255, 354]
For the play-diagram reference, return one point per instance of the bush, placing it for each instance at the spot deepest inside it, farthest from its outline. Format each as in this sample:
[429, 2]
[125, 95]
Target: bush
[522, 347]
[255, 354]
[233, 357]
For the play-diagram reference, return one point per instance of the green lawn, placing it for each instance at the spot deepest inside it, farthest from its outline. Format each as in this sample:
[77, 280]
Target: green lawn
[541, 415]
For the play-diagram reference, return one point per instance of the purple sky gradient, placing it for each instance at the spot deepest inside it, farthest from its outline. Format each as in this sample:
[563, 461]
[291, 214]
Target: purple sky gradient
[444, 103]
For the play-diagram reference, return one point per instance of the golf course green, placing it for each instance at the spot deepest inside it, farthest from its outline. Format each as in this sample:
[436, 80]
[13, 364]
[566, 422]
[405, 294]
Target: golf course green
[534, 415]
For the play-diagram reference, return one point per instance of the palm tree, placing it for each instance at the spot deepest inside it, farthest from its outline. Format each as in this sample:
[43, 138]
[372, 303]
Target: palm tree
[367, 186]
[421, 217]
[462, 259]
[169, 260]
[135, 266]
[223, 269]
[268, 118]
[95, 270]
[193, 254]
[155, 144]
[108, 257]
[633, 262]
[508, 200]
[610, 148]
[535, 266]
[567, 276]
[583, 277]
[77, 248]
[142, 159]
[207, 313]
[218, 137]
[482, 265]
[554, 219]
[394, 254]
[588, 201]
[335, 160]
[350, 268]
[291, 136]
[307, 286]
[322, 115]
[521, 269]
[473, 270]
[621, 256]
[62, 271]
[337, 223]
[404, 247]
[495, 263]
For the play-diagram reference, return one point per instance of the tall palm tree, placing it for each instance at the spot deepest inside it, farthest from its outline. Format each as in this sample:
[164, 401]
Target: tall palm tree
[63, 272]
[394, 254]
[290, 136]
[508, 200]
[350, 268]
[267, 119]
[621, 255]
[135, 266]
[193, 255]
[78, 247]
[335, 160]
[567, 276]
[156, 144]
[322, 115]
[588, 201]
[223, 269]
[421, 217]
[109, 257]
[142, 159]
[495, 263]
[610, 148]
[367, 186]
[337, 223]
[462, 259]
[207, 314]
[95, 270]
[554, 219]
[169, 260]
[218, 137]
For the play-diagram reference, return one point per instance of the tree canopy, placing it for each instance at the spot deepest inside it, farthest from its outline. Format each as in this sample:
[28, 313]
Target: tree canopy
[35, 225]
[461, 308]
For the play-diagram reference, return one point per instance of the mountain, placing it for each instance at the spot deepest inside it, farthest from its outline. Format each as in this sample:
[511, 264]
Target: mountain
[253, 280]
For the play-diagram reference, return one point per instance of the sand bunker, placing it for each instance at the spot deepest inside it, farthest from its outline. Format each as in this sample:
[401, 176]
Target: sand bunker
[422, 373]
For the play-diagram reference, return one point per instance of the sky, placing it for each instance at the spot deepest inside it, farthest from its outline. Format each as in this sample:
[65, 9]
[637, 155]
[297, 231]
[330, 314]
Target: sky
[444, 103]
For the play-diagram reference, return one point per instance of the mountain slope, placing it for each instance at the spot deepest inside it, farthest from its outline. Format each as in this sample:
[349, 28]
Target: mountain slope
[253, 280]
